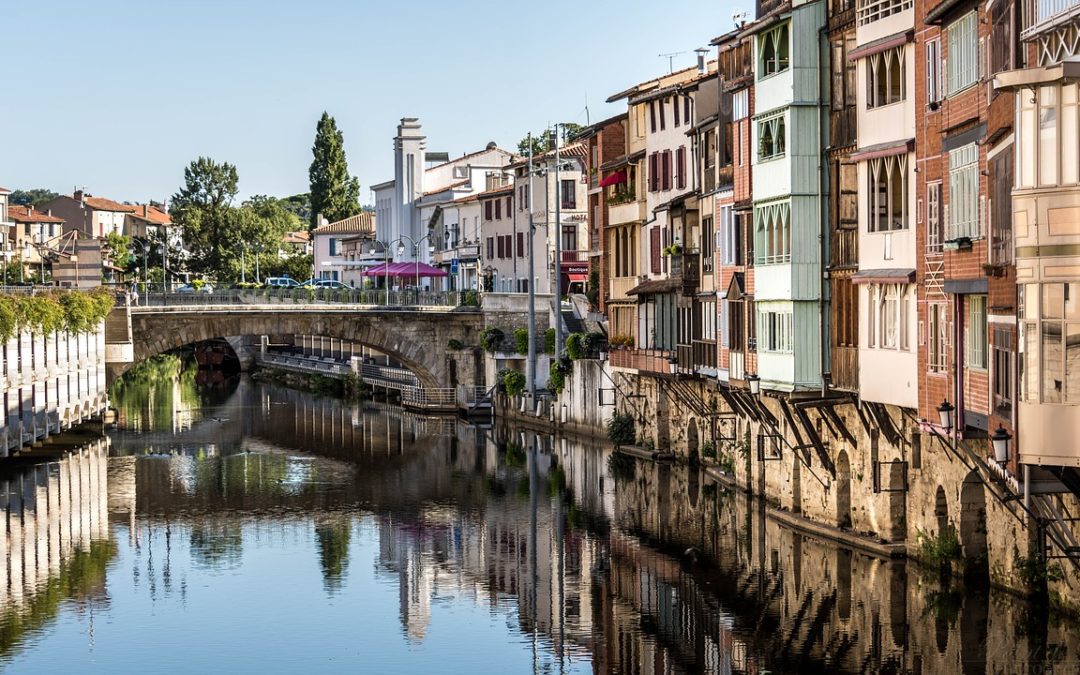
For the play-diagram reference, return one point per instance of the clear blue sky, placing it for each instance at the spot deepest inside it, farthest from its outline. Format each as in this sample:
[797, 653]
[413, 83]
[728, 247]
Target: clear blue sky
[119, 95]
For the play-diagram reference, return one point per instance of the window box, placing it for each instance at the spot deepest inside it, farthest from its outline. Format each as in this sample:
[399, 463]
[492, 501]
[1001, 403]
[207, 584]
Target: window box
[958, 244]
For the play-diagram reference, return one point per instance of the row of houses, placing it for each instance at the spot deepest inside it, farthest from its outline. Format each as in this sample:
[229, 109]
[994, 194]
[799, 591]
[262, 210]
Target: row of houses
[863, 203]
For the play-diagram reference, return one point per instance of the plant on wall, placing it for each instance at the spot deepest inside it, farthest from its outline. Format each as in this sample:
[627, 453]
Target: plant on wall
[70, 311]
[513, 382]
[620, 429]
[521, 340]
[491, 339]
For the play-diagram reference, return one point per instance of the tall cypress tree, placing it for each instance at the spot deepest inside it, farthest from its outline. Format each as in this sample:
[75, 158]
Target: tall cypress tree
[334, 193]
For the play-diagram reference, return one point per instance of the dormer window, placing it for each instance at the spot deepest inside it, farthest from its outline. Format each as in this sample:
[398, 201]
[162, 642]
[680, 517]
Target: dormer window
[773, 51]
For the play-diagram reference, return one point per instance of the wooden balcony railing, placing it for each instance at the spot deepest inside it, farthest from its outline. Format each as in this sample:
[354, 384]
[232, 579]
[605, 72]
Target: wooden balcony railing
[620, 285]
[842, 127]
[845, 368]
[575, 256]
[704, 353]
[643, 360]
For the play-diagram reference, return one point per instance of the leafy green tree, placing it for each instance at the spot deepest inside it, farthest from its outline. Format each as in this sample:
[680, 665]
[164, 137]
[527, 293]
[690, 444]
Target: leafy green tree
[31, 197]
[334, 193]
[333, 535]
[119, 247]
[203, 208]
[541, 142]
[296, 266]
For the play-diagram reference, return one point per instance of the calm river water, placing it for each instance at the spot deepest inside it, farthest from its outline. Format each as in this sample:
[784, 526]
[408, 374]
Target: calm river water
[243, 527]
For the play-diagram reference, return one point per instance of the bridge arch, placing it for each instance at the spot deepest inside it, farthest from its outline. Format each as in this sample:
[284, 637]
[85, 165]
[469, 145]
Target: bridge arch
[417, 339]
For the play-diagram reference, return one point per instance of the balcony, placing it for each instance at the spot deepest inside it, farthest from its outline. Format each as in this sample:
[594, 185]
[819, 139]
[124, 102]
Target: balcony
[1037, 13]
[845, 368]
[842, 127]
[626, 212]
[618, 286]
[696, 355]
[643, 360]
[727, 176]
[685, 266]
[574, 256]
[462, 252]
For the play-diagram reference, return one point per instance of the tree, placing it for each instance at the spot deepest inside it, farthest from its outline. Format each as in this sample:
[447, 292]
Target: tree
[541, 142]
[31, 197]
[334, 194]
[203, 208]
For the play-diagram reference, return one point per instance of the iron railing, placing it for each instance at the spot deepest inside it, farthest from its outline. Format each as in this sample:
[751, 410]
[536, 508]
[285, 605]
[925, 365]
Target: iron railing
[369, 298]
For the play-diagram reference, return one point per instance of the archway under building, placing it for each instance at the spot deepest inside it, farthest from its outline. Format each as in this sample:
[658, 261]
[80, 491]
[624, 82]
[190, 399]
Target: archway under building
[843, 490]
[973, 528]
[692, 441]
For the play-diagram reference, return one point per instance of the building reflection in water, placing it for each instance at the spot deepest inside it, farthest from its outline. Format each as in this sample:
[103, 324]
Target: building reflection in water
[55, 536]
[595, 561]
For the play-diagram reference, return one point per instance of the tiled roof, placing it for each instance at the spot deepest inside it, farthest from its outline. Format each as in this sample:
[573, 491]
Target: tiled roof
[451, 186]
[495, 192]
[102, 204]
[298, 237]
[151, 214]
[4, 190]
[25, 214]
[358, 224]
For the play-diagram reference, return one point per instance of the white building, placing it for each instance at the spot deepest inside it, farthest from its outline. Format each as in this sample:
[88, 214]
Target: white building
[409, 208]
[330, 258]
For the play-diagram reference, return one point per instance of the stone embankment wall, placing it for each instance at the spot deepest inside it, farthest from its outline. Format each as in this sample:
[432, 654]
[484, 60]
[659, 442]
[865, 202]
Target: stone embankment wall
[50, 382]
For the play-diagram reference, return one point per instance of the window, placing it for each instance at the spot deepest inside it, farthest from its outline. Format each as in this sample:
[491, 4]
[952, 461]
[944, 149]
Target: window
[569, 238]
[708, 238]
[872, 10]
[509, 205]
[775, 331]
[334, 245]
[964, 192]
[680, 167]
[665, 170]
[885, 79]
[660, 113]
[490, 248]
[933, 218]
[887, 196]
[1001, 174]
[568, 194]
[937, 333]
[675, 110]
[772, 222]
[975, 333]
[730, 238]
[652, 116]
[521, 244]
[887, 325]
[687, 108]
[740, 104]
[498, 209]
[773, 51]
[1003, 45]
[654, 172]
[1003, 351]
[962, 59]
[772, 137]
[933, 70]
[487, 210]
[654, 250]
[1051, 338]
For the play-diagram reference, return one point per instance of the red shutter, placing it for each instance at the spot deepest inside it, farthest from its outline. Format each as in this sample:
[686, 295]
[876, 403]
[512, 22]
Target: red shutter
[652, 116]
[487, 210]
[653, 173]
[521, 245]
[498, 209]
[675, 110]
[666, 171]
[654, 249]
[680, 166]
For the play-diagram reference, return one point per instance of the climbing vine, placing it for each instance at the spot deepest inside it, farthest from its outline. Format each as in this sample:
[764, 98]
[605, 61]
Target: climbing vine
[70, 311]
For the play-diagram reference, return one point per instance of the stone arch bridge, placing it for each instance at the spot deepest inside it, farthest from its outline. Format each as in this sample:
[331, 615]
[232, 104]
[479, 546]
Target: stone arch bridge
[417, 337]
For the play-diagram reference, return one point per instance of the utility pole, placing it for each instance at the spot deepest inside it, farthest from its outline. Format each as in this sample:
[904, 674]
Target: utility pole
[558, 249]
[530, 368]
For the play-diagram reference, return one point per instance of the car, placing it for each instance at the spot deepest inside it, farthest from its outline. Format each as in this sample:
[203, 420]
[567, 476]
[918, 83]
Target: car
[330, 283]
[192, 288]
[282, 282]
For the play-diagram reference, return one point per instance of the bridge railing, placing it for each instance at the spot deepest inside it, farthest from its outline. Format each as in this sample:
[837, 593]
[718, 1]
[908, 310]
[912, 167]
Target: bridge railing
[307, 296]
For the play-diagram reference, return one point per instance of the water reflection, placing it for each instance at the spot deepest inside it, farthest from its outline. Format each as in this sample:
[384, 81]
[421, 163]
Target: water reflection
[339, 535]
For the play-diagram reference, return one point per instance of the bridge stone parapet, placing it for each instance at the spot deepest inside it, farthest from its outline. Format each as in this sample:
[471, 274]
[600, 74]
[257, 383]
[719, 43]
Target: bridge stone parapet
[417, 338]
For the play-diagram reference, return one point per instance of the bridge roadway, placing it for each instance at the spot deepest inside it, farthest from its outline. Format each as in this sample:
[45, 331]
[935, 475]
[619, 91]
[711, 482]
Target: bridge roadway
[416, 335]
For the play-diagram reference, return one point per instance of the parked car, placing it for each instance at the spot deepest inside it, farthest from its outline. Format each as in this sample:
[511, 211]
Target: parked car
[282, 282]
[329, 283]
[192, 288]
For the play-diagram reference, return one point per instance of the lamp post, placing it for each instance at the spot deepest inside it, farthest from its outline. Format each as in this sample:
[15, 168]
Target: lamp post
[143, 246]
[386, 263]
[416, 254]
[754, 383]
[259, 248]
[945, 415]
[1000, 440]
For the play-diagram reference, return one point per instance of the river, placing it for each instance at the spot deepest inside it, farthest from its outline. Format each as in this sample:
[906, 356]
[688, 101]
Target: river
[238, 526]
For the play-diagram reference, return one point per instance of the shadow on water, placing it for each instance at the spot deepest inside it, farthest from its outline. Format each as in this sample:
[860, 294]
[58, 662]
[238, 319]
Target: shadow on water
[589, 561]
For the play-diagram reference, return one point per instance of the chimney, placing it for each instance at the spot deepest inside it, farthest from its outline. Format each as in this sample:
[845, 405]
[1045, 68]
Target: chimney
[701, 60]
[77, 196]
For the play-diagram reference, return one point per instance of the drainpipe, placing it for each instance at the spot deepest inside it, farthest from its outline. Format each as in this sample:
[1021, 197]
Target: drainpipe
[823, 228]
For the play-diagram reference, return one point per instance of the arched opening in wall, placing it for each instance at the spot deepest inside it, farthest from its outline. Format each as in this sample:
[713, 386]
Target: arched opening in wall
[897, 502]
[941, 511]
[663, 433]
[843, 490]
[973, 528]
[843, 583]
[692, 441]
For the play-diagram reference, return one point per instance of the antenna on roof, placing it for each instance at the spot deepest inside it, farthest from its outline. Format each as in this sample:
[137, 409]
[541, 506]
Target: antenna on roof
[670, 56]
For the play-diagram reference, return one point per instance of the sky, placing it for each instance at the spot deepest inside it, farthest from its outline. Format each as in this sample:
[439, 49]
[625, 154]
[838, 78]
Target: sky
[118, 96]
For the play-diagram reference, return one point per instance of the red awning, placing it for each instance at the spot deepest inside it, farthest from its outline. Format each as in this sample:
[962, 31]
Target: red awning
[577, 277]
[613, 179]
[884, 276]
[880, 45]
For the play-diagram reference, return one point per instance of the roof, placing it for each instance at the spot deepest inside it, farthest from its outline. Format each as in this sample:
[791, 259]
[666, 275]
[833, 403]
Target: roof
[575, 149]
[655, 286]
[470, 155]
[358, 224]
[151, 214]
[497, 192]
[298, 237]
[4, 190]
[676, 77]
[103, 204]
[451, 186]
[891, 275]
[25, 214]
[597, 127]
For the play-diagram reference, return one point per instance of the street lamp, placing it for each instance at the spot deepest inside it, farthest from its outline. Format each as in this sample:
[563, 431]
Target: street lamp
[416, 252]
[1000, 440]
[755, 384]
[144, 247]
[945, 415]
[673, 365]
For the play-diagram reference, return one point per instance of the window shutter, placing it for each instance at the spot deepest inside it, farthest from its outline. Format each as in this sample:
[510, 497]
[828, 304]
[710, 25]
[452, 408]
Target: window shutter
[521, 244]
[653, 182]
[654, 249]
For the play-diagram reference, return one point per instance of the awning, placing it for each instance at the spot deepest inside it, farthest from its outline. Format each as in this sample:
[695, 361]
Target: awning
[880, 45]
[883, 150]
[735, 290]
[884, 276]
[654, 286]
[577, 277]
[404, 269]
[1067, 69]
[613, 179]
